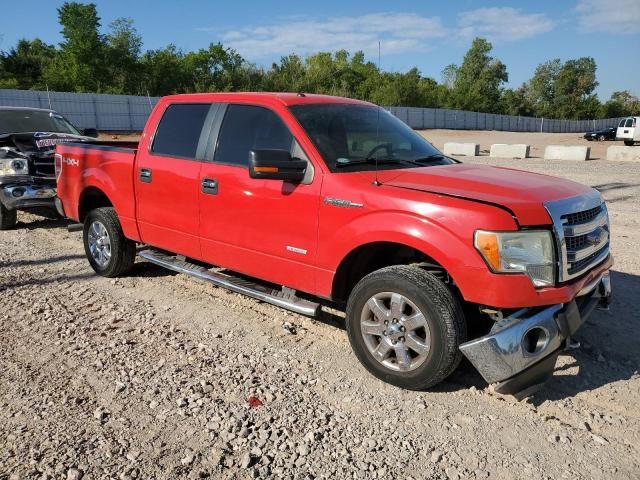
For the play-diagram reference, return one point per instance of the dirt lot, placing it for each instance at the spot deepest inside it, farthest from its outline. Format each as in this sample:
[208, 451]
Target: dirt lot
[149, 376]
[537, 141]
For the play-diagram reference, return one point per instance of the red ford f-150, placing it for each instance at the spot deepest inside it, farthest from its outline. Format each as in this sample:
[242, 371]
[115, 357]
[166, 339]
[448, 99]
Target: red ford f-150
[301, 199]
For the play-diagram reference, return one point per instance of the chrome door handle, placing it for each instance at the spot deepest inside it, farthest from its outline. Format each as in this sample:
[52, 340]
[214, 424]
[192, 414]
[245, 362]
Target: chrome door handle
[145, 175]
[210, 186]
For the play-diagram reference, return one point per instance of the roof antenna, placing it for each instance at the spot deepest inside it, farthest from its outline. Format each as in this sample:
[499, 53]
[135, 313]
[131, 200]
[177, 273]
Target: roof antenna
[376, 182]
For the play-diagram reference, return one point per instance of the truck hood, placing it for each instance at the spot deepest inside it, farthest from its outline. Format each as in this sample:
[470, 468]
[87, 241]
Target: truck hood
[38, 148]
[523, 193]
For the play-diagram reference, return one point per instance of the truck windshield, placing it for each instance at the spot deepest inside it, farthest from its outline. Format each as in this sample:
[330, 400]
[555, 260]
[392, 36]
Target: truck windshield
[20, 121]
[357, 137]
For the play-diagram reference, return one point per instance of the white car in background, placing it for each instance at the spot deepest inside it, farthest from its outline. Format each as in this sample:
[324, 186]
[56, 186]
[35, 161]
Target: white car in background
[629, 130]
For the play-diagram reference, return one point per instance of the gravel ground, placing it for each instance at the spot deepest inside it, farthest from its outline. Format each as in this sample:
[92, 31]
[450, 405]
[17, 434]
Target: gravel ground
[159, 376]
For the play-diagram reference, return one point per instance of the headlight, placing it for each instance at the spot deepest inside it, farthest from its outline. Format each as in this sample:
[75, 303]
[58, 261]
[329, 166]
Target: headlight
[528, 251]
[12, 166]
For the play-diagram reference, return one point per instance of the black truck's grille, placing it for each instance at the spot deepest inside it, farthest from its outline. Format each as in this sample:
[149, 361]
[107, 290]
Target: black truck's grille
[44, 167]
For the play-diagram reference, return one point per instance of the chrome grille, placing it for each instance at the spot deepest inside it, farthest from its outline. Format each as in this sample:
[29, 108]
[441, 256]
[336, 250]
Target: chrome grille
[581, 226]
[582, 217]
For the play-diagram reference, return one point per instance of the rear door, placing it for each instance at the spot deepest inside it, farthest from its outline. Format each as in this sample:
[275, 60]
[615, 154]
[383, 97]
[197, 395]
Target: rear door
[263, 228]
[167, 179]
[625, 128]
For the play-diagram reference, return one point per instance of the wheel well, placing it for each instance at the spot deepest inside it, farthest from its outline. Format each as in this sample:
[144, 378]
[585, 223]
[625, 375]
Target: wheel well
[91, 199]
[374, 256]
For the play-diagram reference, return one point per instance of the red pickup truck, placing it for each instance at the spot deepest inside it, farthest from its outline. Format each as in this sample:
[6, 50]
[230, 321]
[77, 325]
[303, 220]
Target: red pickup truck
[301, 200]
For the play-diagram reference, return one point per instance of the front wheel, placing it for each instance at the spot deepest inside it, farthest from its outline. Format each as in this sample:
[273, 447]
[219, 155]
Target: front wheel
[602, 138]
[8, 218]
[629, 143]
[405, 327]
[109, 252]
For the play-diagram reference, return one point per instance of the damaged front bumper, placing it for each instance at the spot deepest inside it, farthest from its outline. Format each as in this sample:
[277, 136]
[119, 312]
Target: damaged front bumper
[27, 192]
[520, 352]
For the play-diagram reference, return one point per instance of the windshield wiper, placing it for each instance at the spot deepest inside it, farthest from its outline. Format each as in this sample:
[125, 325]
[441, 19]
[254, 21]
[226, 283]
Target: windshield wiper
[370, 160]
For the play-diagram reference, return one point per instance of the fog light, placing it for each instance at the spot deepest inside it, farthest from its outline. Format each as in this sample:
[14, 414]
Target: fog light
[17, 192]
[535, 340]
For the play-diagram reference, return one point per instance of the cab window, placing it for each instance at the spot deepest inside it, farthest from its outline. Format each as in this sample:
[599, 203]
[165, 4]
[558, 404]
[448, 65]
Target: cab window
[179, 130]
[249, 127]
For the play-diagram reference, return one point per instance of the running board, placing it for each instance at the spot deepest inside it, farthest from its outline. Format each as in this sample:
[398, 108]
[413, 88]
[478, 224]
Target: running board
[235, 284]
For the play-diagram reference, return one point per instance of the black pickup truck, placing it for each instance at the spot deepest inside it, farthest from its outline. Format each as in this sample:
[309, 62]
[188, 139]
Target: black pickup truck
[28, 138]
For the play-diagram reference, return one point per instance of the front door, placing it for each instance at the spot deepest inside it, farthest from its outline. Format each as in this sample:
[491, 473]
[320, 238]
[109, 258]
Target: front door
[262, 228]
[167, 179]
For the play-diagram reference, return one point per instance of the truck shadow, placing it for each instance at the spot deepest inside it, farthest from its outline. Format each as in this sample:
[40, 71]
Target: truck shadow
[608, 351]
[43, 223]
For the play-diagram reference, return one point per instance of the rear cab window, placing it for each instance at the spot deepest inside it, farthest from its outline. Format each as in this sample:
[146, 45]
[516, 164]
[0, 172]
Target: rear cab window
[250, 127]
[180, 130]
[629, 122]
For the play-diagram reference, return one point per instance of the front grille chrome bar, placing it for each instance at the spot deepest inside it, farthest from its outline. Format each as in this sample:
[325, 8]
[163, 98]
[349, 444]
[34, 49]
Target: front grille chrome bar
[581, 227]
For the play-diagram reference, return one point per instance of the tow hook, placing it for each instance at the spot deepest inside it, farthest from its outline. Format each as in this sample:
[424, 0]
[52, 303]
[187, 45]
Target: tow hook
[572, 344]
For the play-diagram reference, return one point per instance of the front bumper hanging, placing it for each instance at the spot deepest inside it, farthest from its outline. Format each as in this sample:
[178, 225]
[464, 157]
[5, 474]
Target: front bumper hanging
[19, 195]
[520, 352]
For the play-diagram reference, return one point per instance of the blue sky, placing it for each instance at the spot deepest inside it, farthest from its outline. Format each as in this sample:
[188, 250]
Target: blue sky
[422, 33]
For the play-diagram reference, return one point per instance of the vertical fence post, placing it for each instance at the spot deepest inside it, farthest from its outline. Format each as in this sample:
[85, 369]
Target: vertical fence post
[129, 113]
[95, 110]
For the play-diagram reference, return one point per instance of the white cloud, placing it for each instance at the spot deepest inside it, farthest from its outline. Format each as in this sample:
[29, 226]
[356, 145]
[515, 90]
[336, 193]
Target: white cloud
[503, 24]
[621, 16]
[398, 32]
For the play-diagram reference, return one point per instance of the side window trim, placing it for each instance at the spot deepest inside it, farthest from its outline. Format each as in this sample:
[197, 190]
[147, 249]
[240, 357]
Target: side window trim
[214, 135]
[203, 138]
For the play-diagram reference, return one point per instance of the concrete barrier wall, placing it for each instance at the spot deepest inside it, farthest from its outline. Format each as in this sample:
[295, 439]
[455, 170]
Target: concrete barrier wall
[561, 152]
[623, 154]
[503, 150]
[466, 149]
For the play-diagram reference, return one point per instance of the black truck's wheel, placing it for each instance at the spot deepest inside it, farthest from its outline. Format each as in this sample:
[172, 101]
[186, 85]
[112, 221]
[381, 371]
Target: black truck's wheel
[109, 252]
[405, 327]
[8, 218]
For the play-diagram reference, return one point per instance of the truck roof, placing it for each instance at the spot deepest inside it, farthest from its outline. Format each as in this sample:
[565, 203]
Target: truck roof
[286, 98]
[32, 109]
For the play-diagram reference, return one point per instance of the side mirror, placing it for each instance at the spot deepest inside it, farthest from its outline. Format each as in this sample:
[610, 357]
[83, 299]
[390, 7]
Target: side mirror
[90, 132]
[276, 165]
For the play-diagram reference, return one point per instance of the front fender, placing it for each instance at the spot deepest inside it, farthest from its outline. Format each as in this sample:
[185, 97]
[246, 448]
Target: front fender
[442, 232]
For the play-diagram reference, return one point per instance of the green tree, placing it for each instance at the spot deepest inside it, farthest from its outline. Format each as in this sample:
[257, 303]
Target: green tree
[621, 104]
[479, 79]
[564, 90]
[516, 102]
[122, 51]
[25, 62]
[80, 64]
[164, 71]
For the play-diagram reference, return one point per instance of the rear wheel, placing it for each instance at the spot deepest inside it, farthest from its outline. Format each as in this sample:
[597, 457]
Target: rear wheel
[109, 252]
[8, 218]
[405, 327]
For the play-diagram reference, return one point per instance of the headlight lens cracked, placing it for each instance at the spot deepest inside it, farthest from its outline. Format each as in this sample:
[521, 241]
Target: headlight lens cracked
[527, 251]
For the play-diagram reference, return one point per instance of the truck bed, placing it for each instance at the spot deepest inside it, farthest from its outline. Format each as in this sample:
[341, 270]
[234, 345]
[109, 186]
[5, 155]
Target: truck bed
[102, 165]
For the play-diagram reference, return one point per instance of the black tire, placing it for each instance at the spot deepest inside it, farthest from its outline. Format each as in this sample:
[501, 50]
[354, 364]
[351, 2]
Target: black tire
[602, 138]
[589, 139]
[122, 250]
[629, 143]
[444, 317]
[8, 218]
